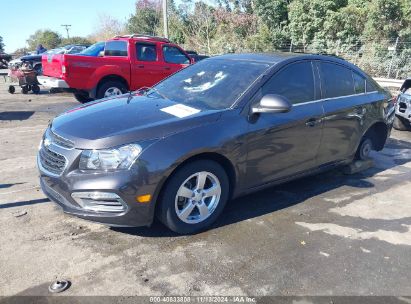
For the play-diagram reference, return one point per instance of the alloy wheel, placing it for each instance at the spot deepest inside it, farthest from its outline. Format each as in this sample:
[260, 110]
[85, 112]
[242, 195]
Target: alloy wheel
[198, 197]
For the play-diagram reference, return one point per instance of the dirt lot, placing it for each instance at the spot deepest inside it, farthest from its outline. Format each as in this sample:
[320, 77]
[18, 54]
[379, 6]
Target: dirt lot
[330, 234]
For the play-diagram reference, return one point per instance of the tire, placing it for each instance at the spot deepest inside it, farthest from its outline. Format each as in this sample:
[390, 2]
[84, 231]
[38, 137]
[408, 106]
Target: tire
[117, 88]
[171, 204]
[24, 90]
[82, 98]
[11, 89]
[35, 89]
[364, 149]
[401, 124]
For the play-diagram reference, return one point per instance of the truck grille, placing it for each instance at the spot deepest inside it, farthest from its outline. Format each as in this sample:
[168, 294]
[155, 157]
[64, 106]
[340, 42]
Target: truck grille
[52, 161]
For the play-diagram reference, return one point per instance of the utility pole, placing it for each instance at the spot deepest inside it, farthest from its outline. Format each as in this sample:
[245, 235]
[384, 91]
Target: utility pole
[67, 29]
[392, 57]
[165, 18]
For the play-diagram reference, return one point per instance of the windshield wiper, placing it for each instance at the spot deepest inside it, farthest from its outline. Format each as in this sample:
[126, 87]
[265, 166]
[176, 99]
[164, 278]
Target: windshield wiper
[155, 90]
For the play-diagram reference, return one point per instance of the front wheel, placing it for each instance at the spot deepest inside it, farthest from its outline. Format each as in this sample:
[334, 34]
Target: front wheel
[194, 197]
[111, 88]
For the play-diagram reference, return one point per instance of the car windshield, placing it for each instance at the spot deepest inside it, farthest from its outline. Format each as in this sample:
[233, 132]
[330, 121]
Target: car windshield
[211, 84]
[93, 50]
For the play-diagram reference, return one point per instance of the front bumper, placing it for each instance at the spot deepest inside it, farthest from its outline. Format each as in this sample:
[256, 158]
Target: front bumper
[125, 185]
[403, 108]
[52, 82]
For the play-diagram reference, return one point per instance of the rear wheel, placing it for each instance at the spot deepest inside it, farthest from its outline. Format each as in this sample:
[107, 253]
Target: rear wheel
[401, 124]
[111, 88]
[12, 89]
[364, 149]
[83, 98]
[194, 197]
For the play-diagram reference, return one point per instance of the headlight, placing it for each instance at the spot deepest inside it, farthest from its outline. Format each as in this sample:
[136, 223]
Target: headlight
[110, 159]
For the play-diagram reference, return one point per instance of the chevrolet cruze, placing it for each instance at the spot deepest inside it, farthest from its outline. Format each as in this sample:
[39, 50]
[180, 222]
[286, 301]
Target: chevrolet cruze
[221, 128]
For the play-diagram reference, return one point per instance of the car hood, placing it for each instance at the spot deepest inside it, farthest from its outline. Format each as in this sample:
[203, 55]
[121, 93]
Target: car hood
[112, 122]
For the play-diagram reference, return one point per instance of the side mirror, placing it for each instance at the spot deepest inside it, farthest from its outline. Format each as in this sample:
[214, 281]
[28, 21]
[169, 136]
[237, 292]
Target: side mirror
[101, 54]
[272, 103]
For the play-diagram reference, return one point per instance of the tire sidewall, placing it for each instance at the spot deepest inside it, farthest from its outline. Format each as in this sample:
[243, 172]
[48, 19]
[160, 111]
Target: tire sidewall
[108, 84]
[167, 213]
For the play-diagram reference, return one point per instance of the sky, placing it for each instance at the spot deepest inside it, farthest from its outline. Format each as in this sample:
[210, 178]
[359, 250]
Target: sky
[21, 18]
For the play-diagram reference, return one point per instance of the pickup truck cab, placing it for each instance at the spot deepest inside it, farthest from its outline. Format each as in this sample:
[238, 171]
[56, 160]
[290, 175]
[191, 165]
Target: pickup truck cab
[127, 63]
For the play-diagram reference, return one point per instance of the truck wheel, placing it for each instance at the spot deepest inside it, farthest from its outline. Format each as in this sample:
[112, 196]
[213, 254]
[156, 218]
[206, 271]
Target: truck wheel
[111, 88]
[82, 98]
[194, 197]
[12, 89]
[401, 124]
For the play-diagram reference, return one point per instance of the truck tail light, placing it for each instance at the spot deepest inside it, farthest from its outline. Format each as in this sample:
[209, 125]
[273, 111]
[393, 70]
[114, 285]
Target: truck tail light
[63, 69]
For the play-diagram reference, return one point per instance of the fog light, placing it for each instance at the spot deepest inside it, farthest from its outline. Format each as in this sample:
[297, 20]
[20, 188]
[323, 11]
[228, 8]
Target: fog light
[143, 198]
[100, 201]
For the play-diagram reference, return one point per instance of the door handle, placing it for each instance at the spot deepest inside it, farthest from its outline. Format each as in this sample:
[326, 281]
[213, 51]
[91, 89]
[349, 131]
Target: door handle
[312, 122]
[168, 69]
[140, 66]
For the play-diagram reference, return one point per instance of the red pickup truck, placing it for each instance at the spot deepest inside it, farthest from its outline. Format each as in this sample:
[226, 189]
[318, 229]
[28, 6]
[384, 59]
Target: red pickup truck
[127, 63]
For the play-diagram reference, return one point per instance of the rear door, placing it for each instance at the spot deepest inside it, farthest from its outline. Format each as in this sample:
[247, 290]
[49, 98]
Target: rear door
[283, 144]
[344, 100]
[147, 68]
[174, 59]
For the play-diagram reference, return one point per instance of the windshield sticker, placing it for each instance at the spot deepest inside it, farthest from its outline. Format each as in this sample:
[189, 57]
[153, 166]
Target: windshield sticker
[180, 110]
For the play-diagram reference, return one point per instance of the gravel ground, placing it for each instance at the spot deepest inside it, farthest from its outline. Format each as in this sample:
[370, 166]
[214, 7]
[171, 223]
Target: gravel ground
[329, 234]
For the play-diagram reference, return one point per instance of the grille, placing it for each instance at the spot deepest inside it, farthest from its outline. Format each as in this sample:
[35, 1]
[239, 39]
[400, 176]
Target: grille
[52, 161]
[60, 141]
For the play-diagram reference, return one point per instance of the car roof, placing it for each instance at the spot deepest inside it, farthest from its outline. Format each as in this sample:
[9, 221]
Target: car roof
[274, 58]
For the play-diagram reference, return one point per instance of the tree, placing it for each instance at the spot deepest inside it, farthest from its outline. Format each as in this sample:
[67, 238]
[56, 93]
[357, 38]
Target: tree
[77, 40]
[47, 38]
[274, 13]
[107, 27]
[1, 45]
[146, 19]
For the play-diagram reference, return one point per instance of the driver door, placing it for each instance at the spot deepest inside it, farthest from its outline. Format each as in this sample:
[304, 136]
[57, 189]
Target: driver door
[284, 144]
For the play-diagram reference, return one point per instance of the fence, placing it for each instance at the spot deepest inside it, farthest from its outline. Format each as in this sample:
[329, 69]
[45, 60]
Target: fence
[384, 59]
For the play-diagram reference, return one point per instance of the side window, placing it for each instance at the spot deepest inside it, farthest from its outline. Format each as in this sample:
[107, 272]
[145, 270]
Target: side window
[337, 80]
[116, 48]
[371, 85]
[146, 52]
[174, 55]
[359, 83]
[296, 82]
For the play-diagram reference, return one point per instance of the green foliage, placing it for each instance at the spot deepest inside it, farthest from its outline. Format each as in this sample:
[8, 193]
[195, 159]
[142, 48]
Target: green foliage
[1, 45]
[77, 40]
[146, 19]
[47, 38]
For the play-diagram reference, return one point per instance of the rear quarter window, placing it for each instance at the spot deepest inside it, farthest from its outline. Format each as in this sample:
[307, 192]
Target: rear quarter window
[359, 83]
[116, 48]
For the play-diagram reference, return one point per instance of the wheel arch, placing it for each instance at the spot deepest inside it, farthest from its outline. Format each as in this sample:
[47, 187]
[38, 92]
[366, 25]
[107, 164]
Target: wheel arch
[378, 133]
[110, 77]
[223, 161]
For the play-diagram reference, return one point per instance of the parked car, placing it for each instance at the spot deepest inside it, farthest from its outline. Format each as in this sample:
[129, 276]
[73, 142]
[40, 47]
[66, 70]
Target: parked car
[221, 128]
[129, 63]
[4, 60]
[35, 60]
[97, 49]
[402, 120]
